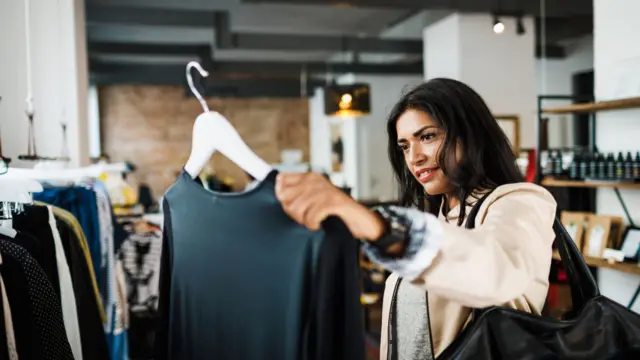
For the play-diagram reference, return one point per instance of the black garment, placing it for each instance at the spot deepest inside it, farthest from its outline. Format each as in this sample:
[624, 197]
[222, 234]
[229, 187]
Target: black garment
[4, 349]
[241, 280]
[145, 198]
[15, 282]
[48, 336]
[34, 220]
[92, 337]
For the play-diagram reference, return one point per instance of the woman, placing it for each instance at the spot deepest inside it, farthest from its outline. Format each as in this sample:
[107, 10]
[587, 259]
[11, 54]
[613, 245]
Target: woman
[447, 152]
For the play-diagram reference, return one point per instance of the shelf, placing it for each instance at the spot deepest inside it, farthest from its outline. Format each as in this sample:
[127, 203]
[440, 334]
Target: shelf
[595, 106]
[551, 182]
[629, 268]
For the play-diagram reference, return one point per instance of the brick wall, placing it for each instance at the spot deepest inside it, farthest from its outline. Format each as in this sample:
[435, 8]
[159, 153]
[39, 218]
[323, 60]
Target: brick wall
[151, 126]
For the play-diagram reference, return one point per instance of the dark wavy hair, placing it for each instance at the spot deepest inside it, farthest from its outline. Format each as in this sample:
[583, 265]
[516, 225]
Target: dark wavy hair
[487, 160]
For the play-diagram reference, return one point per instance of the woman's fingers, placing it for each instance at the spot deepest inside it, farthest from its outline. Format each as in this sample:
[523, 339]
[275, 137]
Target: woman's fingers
[305, 197]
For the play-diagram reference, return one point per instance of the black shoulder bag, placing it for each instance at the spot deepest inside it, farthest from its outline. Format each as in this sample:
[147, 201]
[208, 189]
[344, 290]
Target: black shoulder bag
[598, 328]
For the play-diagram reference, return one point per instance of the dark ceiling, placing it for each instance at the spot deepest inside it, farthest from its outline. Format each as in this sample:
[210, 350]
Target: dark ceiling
[267, 44]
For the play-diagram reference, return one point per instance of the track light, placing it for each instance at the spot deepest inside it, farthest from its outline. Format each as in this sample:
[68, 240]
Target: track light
[498, 26]
[520, 30]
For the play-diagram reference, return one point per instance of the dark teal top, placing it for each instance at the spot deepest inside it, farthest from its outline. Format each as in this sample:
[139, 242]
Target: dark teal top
[242, 280]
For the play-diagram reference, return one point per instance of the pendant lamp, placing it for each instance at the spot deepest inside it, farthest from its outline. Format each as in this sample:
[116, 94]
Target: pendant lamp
[347, 100]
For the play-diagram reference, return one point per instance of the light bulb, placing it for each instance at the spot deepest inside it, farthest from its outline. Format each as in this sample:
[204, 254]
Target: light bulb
[498, 27]
[345, 101]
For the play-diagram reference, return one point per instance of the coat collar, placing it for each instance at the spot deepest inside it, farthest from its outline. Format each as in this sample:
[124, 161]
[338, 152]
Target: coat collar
[453, 214]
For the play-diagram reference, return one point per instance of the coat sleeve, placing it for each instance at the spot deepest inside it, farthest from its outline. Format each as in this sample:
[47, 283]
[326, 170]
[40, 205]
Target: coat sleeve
[490, 265]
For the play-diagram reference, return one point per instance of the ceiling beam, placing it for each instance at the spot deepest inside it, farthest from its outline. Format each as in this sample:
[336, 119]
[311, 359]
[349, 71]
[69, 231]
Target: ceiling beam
[263, 68]
[213, 87]
[557, 8]
[278, 42]
[290, 42]
[564, 29]
[120, 48]
[104, 14]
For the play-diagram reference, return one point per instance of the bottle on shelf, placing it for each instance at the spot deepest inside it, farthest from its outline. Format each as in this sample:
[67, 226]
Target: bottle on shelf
[557, 164]
[548, 166]
[602, 168]
[592, 173]
[628, 167]
[619, 166]
[583, 166]
[574, 167]
[611, 167]
[636, 167]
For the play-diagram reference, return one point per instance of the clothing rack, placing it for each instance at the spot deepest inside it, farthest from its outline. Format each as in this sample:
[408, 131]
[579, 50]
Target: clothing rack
[65, 231]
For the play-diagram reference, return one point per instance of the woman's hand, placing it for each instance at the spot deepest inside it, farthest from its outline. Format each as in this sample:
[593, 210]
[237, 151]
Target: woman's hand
[310, 198]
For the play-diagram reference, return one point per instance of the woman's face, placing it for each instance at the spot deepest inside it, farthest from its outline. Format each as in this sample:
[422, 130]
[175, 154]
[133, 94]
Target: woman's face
[420, 139]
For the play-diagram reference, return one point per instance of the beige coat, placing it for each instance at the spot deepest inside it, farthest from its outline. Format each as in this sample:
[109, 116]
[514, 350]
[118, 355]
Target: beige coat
[504, 261]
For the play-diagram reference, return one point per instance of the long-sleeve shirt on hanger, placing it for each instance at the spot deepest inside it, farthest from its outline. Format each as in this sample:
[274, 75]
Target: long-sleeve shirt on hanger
[241, 280]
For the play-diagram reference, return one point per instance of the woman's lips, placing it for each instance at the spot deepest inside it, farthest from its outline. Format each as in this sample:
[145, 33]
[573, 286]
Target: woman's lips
[425, 175]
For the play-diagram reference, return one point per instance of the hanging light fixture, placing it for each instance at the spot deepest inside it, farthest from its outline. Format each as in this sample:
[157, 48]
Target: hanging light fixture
[498, 26]
[347, 100]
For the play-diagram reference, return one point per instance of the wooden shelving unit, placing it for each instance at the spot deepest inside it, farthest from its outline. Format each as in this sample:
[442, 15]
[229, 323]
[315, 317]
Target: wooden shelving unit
[551, 182]
[629, 268]
[588, 111]
[585, 108]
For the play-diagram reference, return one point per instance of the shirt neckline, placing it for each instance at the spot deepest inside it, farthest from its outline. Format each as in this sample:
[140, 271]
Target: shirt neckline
[269, 181]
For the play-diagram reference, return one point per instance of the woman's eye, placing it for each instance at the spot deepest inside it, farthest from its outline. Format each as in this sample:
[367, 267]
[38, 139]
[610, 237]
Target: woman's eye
[403, 148]
[427, 137]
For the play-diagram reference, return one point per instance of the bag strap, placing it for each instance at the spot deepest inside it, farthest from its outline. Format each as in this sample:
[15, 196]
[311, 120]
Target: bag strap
[583, 285]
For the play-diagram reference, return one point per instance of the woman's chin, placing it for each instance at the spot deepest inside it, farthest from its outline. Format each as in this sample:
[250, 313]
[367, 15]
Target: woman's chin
[433, 188]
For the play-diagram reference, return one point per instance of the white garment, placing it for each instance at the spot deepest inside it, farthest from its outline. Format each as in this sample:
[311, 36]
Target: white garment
[108, 254]
[8, 322]
[67, 296]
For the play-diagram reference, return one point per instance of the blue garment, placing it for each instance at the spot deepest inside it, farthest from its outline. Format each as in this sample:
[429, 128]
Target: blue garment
[81, 202]
[117, 339]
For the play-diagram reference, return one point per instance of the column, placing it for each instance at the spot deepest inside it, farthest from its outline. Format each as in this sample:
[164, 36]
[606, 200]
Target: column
[500, 67]
[617, 75]
[55, 74]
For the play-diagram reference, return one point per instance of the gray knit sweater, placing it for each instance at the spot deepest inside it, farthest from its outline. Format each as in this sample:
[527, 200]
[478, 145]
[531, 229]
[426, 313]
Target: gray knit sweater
[412, 324]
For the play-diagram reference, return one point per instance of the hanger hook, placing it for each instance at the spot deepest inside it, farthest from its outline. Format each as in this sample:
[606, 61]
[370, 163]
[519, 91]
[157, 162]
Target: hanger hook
[204, 73]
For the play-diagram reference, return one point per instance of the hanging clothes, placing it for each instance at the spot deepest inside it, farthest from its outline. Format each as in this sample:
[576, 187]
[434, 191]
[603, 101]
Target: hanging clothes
[45, 243]
[107, 251]
[67, 295]
[90, 310]
[141, 259]
[140, 256]
[241, 280]
[117, 335]
[82, 203]
[40, 333]
[6, 325]
[76, 247]
[34, 221]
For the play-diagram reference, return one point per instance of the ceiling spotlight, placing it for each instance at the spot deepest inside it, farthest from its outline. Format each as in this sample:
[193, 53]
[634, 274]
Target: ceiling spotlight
[520, 30]
[498, 26]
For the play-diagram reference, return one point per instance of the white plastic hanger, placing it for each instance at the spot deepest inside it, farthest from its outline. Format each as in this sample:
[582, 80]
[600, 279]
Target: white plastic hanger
[15, 191]
[212, 132]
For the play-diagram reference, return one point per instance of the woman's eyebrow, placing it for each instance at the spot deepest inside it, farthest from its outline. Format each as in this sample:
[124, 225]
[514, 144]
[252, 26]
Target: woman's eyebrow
[417, 133]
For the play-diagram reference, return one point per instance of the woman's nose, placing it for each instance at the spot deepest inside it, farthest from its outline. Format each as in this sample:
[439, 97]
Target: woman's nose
[416, 156]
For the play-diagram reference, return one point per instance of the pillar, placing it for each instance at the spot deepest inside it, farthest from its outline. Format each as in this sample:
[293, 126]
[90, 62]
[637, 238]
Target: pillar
[500, 67]
[57, 70]
[617, 75]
